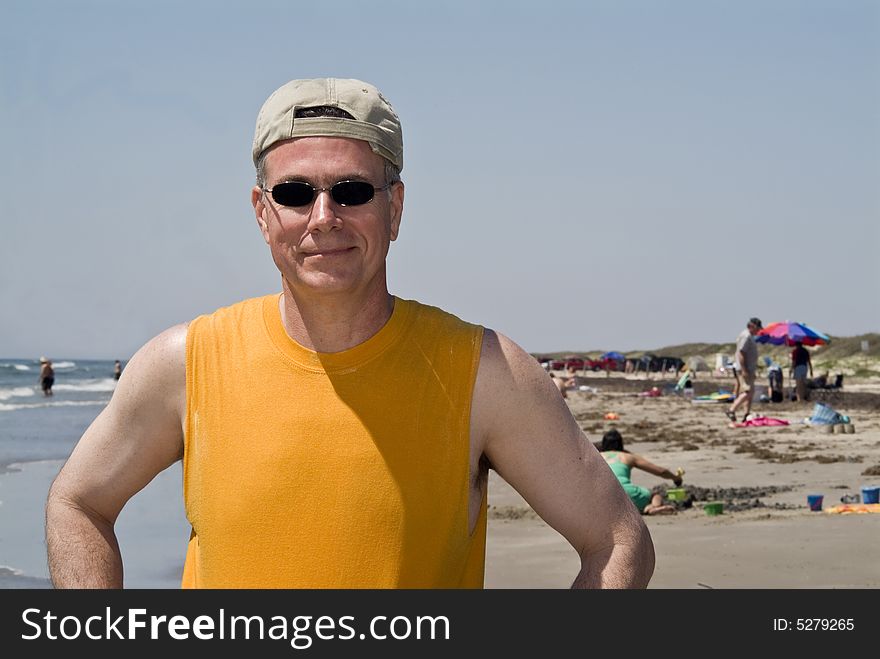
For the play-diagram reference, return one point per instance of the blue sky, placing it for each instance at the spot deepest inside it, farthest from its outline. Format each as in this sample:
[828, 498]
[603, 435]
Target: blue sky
[580, 175]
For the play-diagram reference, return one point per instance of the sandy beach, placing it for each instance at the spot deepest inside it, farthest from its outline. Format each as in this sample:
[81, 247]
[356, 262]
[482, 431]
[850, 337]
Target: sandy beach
[766, 537]
[773, 541]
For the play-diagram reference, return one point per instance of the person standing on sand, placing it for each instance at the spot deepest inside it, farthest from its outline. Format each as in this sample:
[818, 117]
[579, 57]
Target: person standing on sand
[47, 376]
[560, 384]
[800, 362]
[117, 370]
[334, 435]
[747, 367]
[737, 380]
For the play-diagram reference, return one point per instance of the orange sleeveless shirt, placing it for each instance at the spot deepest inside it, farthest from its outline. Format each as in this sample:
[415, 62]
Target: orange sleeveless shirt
[330, 470]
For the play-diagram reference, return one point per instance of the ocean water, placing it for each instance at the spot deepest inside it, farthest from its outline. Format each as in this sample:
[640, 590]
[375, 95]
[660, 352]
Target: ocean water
[34, 427]
[37, 434]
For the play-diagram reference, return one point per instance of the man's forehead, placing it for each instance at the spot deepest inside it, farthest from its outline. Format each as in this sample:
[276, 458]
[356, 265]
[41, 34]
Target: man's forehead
[346, 145]
[325, 153]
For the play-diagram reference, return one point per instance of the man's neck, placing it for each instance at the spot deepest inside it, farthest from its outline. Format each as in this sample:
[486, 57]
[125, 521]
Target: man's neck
[334, 323]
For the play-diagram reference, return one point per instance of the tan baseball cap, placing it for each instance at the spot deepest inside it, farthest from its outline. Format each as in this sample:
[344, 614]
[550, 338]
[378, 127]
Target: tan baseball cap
[374, 120]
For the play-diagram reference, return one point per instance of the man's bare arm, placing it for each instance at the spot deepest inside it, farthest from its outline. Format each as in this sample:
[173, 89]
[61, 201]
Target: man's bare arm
[532, 441]
[134, 438]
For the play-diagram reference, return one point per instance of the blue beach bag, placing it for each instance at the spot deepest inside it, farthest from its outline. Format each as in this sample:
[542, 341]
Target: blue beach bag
[825, 415]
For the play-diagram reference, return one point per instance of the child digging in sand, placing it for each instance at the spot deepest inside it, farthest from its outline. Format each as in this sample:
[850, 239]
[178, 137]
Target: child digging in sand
[622, 461]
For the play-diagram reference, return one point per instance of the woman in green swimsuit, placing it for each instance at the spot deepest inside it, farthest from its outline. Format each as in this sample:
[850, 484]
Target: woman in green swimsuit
[621, 462]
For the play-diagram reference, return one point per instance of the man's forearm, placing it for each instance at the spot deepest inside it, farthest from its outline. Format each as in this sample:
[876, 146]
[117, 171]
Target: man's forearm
[82, 548]
[623, 565]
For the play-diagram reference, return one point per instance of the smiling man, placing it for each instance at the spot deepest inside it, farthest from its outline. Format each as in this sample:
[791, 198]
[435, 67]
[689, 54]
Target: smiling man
[334, 435]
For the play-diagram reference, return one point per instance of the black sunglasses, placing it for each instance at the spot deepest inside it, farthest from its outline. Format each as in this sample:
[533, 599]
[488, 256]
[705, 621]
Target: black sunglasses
[344, 193]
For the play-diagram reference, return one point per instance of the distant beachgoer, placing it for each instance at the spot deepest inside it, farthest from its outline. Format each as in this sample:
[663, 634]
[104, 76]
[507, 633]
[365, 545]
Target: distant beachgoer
[774, 381]
[747, 367]
[737, 380]
[117, 370]
[560, 384]
[47, 376]
[800, 364]
[622, 461]
[571, 381]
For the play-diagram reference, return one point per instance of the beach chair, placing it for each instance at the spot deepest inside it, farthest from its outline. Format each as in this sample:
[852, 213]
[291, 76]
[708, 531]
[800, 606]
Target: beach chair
[681, 387]
[830, 390]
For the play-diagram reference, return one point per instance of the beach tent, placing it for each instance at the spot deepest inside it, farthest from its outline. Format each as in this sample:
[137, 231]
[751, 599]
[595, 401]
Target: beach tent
[697, 363]
[723, 362]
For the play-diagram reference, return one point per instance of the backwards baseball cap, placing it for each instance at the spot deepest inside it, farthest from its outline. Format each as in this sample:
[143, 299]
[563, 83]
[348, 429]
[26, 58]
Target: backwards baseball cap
[756, 322]
[374, 120]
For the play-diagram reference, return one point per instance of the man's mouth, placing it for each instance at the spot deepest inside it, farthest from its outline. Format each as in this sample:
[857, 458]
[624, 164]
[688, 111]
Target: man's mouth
[336, 251]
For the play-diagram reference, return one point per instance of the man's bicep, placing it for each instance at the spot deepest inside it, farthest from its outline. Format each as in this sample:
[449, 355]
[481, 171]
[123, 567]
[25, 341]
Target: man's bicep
[136, 436]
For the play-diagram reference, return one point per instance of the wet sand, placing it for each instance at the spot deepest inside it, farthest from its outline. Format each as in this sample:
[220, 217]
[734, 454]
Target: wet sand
[152, 529]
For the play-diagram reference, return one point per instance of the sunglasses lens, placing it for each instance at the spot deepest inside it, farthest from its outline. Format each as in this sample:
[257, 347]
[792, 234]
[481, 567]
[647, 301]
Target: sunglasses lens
[344, 193]
[293, 193]
[352, 193]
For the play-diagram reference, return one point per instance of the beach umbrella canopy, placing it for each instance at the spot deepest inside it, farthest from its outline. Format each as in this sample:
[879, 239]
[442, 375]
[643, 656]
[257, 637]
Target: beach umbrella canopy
[616, 356]
[790, 333]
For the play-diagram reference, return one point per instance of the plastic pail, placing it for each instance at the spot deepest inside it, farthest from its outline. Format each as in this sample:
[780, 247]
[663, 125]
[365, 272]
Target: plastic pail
[714, 508]
[871, 494]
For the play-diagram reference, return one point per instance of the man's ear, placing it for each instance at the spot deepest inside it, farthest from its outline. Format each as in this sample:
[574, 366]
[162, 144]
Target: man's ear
[396, 208]
[261, 211]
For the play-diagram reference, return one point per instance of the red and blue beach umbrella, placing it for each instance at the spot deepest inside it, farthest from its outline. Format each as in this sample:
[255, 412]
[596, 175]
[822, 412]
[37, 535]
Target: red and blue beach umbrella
[790, 333]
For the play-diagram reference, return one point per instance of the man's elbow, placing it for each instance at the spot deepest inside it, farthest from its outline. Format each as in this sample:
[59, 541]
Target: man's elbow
[65, 507]
[645, 559]
[56, 501]
[636, 551]
[61, 497]
[627, 561]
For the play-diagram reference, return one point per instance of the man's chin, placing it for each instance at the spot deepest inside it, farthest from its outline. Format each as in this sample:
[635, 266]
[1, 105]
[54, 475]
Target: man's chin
[325, 282]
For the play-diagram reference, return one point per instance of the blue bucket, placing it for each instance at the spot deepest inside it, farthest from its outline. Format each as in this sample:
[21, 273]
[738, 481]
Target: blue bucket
[871, 494]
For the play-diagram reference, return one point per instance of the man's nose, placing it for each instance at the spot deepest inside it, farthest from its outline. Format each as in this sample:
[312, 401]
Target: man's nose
[323, 216]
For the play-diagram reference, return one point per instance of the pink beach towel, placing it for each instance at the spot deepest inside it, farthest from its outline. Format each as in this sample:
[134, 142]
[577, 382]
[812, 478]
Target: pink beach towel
[760, 421]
